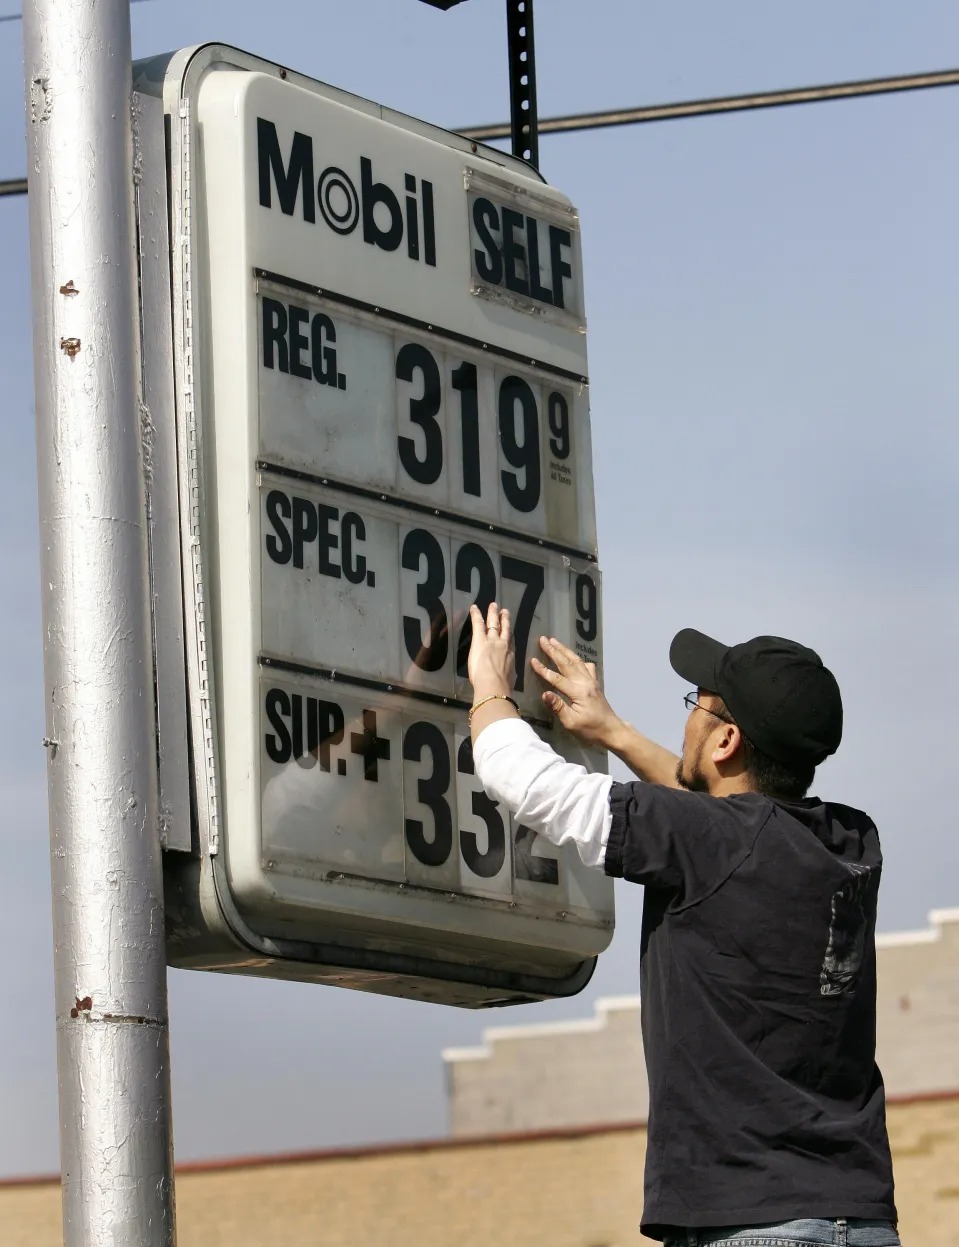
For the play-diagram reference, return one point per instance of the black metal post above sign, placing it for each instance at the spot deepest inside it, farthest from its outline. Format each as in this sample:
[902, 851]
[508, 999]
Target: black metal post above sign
[522, 80]
[524, 124]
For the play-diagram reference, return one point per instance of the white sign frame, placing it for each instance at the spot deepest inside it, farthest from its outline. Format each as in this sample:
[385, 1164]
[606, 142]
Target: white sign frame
[329, 943]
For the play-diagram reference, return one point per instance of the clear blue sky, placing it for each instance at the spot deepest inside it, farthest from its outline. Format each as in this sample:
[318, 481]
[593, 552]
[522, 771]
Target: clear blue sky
[773, 324]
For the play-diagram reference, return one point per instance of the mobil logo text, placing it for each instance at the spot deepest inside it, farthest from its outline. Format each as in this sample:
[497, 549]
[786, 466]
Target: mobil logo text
[386, 216]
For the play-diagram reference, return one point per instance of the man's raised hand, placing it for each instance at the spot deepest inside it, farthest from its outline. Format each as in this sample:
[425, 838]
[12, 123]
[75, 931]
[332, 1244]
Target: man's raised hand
[492, 658]
[574, 695]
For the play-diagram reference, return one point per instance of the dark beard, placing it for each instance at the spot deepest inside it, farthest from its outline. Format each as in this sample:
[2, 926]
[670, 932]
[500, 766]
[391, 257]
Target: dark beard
[696, 784]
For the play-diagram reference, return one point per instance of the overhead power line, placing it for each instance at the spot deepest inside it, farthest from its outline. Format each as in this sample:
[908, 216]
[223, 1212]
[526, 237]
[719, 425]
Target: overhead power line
[691, 108]
[724, 104]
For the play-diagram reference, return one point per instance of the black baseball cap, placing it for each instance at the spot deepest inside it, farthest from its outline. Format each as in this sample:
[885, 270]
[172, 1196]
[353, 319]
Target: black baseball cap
[780, 694]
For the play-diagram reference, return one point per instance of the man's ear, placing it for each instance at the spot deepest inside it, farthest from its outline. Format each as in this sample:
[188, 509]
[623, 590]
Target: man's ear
[728, 744]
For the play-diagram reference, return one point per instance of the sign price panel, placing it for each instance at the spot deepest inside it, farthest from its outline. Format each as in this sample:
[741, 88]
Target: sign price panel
[392, 423]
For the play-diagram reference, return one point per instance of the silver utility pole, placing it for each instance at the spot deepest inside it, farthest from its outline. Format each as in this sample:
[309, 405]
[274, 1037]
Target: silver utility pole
[111, 998]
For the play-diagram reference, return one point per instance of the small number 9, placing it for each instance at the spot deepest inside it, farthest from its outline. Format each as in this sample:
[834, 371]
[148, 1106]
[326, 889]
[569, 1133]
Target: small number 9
[587, 625]
[558, 415]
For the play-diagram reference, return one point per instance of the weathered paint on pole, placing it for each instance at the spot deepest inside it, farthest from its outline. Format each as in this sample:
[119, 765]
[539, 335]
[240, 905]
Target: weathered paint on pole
[111, 996]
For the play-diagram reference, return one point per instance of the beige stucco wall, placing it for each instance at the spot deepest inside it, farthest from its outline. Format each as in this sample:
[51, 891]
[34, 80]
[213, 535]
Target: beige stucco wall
[581, 1191]
[918, 1007]
[554, 1074]
[539, 1077]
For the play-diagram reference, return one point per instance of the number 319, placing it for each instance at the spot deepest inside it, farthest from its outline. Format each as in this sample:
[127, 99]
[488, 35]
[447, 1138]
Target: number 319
[518, 421]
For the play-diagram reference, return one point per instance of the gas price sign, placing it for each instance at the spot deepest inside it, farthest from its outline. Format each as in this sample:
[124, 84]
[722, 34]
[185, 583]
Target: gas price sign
[383, 396]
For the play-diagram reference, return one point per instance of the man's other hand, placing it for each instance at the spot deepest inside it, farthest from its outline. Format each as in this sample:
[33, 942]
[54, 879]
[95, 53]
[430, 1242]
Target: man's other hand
[575, 696]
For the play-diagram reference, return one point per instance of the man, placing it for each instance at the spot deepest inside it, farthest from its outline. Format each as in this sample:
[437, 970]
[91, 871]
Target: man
[767, 1111]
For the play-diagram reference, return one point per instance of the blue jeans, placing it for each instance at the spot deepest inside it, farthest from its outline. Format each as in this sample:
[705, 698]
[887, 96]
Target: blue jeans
[804, 1233]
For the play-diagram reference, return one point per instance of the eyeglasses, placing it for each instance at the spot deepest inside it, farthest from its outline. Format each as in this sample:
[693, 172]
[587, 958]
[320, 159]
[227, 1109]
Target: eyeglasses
[691, 701]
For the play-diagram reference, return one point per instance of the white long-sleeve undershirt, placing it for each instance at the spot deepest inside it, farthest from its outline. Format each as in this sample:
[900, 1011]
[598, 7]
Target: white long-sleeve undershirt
[559, 800]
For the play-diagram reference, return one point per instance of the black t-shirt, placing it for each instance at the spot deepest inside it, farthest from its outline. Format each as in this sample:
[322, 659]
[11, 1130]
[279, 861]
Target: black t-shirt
[758, 983]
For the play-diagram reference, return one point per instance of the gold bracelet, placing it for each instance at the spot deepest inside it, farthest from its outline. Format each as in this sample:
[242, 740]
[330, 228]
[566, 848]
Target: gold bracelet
[492, 697]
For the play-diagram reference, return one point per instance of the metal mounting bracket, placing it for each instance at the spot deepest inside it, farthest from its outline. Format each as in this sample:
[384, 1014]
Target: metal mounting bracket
[524, 124]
